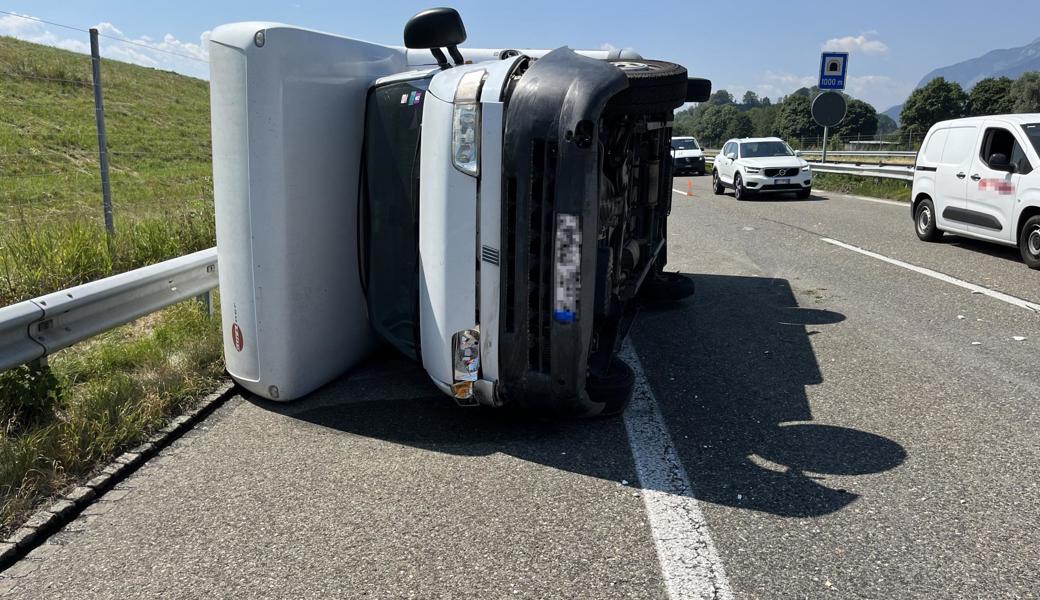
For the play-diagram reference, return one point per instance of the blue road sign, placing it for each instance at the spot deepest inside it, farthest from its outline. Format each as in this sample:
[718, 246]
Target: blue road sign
[833, 66]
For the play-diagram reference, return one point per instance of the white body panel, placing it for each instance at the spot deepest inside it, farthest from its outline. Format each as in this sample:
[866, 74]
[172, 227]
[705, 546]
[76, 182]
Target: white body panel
[288, 121]
[963, 179]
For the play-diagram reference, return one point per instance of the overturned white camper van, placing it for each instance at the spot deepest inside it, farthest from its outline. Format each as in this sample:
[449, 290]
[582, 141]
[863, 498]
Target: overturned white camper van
[493, 218]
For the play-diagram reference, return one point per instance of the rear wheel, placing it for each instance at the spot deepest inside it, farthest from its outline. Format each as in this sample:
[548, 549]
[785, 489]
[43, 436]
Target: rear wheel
[1029, 242]
[716, 183]
[924, 222]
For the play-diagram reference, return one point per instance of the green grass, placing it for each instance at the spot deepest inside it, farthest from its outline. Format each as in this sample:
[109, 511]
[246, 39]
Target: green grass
[51, 219]
[107, 394]
[99, 398]
[891, 189]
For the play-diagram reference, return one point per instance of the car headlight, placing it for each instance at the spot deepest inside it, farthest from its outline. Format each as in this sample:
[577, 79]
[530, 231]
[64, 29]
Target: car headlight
[752, 170]
[465, 360]
[568, 268]
[805, 168]
[465, 123]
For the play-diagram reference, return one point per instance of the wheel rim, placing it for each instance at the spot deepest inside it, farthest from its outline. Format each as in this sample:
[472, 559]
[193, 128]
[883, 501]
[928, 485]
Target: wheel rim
[1033, 241]
[738, 186]
[924, 219]
[715, 180]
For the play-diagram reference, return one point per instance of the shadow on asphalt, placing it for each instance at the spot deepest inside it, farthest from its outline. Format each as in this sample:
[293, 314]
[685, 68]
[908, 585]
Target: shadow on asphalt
[729, 369]
[1007, 253]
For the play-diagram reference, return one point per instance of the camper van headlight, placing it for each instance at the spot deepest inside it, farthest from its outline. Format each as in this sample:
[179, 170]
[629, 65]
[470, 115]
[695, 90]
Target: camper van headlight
[568, 268]
[465, 123]
[465, 354]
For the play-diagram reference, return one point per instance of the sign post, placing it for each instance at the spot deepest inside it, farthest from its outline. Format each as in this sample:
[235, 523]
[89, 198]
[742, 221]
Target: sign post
[833, 67]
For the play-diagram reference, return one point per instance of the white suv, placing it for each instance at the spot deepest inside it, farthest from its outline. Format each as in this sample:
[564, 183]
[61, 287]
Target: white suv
[760, 165]
[975, 177]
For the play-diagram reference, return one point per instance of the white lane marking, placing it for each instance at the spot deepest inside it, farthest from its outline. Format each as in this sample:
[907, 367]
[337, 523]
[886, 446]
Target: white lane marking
[689, 563]
[1026, 304]
[683, 192]
[876, 200]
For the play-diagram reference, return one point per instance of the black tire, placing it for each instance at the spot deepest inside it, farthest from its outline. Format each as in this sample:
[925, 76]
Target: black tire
[653, 86]
[924, 222]
[804, 194]
[716, 184]
[1029, 242]
[613, 389]
[739, 191]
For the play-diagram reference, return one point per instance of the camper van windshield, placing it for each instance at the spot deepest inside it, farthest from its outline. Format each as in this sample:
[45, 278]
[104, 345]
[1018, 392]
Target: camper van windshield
[390, 203]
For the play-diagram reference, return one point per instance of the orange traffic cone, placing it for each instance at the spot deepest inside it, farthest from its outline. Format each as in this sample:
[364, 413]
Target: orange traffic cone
[689, 188]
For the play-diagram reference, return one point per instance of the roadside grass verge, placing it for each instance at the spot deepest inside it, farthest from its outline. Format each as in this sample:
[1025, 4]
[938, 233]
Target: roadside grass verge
[98, 399]
[873, 187]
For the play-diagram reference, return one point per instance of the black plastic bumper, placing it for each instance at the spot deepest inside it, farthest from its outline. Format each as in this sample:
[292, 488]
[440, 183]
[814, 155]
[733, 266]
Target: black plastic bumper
[683, 165]
[550, 167]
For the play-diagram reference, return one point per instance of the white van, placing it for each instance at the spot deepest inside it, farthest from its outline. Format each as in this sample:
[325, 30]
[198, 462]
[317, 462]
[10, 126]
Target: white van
[977, 177]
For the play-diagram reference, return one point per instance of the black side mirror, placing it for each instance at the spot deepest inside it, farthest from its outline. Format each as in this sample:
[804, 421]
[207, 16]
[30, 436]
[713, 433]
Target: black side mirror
[435, 28]
[1000, 162]
[697, 89]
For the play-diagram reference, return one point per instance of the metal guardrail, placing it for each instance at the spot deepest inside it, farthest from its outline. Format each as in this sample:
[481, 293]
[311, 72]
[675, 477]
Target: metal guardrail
[900, 172]
[33, 329]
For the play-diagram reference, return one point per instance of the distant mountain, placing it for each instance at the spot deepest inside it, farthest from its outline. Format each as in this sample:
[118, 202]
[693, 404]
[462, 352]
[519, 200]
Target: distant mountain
[1011, 62]
[894, 112]
[1008, 63]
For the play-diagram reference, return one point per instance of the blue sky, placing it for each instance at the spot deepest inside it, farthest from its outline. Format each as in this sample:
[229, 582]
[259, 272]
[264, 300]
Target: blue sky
[769, 47]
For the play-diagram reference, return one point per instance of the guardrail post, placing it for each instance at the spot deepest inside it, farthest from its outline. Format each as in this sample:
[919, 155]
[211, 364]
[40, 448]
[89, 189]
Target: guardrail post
[40, 363]
[207, 301]
[99, 111]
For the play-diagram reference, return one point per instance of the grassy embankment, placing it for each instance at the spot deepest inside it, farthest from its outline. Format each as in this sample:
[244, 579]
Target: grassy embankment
[109, 393]
[891, 189]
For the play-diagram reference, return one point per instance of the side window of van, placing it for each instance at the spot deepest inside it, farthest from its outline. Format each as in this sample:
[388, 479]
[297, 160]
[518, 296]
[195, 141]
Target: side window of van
[958, 145]
[1001, 141]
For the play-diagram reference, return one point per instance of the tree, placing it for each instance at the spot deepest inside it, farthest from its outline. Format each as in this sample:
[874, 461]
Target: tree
[991, 96]
[939, 100]
[720, 122]
[1025, 93]
[720, 97]
[766, 101]
[763, 120]
[750, 100]
[794, 120]
[886, 124]
[860, 119]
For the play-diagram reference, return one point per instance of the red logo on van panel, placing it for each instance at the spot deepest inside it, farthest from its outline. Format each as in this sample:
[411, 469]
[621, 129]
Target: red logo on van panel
[236, 337]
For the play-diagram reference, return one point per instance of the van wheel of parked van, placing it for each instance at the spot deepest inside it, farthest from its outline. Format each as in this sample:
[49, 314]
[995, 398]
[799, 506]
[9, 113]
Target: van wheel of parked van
[1029, 242]
[612, 390]
[924, 222]
[653, 86]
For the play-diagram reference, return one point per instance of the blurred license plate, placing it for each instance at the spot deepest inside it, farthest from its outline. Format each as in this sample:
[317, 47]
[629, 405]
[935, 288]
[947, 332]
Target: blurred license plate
[783, 181]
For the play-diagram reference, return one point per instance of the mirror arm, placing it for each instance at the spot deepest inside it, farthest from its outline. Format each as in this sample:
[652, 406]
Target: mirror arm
[456, 55]
[442, 61]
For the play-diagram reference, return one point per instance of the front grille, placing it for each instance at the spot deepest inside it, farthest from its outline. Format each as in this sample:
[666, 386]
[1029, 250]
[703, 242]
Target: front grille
[540, 258]
[782, 172]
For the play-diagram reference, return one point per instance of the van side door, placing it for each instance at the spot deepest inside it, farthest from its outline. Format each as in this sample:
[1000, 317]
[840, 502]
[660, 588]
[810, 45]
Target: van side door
[998, 167]
[951, 176]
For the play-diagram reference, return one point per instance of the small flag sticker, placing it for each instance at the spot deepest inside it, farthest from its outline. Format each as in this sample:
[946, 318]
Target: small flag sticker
[404, 98]
[411, 99]
[418, 97]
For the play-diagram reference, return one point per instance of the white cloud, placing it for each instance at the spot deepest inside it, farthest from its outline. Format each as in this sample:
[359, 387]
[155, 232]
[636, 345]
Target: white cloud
[856, 43]
[169, 54]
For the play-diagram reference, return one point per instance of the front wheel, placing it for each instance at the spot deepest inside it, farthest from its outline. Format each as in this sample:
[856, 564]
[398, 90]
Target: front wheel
[804, 194]
[924, 222]
[716, 183]
[738, 188]
[1029, 242]
[612, 389]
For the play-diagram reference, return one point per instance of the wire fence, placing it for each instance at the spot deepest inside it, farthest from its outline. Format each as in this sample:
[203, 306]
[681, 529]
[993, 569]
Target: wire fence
[157, 146]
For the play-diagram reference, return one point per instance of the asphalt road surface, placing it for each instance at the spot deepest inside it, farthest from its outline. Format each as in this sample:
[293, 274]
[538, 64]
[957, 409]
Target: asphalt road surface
[837, 413]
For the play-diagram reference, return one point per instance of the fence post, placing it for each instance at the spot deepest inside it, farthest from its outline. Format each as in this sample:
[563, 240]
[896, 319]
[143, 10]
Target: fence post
[99, 111]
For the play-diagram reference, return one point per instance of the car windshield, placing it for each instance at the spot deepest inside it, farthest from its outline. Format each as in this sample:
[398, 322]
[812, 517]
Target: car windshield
[1033, 132]
[685, 145]
[763, 149]
[390, 217]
